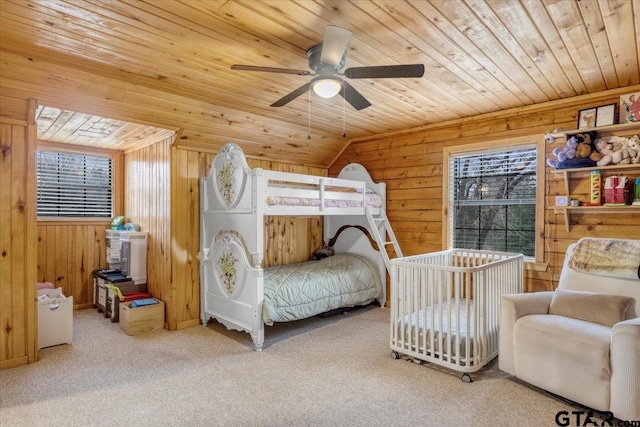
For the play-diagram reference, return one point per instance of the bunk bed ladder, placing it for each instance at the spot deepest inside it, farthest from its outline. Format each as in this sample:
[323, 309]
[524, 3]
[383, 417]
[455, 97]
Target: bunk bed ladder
[374, 224]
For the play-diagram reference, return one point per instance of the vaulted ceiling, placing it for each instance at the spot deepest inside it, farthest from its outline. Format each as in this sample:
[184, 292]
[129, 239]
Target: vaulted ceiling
[168, 63]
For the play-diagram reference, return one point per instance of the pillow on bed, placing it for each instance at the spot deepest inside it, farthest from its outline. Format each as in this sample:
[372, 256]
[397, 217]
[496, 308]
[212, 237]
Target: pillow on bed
[323, 252]
[590, 306]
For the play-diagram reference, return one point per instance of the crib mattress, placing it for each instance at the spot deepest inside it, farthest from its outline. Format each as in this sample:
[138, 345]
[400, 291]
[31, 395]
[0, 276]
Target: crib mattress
[298, 291]
[422, 320]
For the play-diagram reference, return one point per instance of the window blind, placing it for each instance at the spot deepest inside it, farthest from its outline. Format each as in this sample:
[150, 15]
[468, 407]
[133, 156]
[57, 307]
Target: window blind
[74, 185]
[493, 200]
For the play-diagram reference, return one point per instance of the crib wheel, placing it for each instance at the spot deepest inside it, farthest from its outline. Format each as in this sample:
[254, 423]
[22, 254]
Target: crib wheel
[395, 355]
[466, 378]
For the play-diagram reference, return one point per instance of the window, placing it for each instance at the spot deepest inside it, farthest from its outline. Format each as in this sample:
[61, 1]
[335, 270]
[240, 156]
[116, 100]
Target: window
[492, 199]
[72, 185]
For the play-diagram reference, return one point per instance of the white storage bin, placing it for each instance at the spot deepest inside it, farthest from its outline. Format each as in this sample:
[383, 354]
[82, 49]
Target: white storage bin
[55, 318]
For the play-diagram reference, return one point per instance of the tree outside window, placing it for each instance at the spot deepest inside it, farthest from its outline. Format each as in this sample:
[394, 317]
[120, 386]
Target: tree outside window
[493, 200]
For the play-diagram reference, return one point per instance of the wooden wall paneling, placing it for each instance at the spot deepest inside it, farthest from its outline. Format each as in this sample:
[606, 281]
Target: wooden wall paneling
[147, 186]
[18, 274]
[50, 250]
[61, 263]
[31, 231]
[188, 301]
[19, 279]
[67, 256]
[180, 244]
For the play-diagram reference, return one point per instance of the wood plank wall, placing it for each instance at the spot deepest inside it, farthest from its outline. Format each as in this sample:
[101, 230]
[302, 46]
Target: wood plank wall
[147, 190]
[412, 163]
[68, 254]
[289, 239]
[17, 241]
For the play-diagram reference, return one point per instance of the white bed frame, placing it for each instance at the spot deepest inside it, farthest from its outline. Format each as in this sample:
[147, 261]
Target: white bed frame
[233, 204]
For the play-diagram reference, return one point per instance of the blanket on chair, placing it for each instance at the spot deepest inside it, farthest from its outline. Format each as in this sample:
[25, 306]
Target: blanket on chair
[607, 257]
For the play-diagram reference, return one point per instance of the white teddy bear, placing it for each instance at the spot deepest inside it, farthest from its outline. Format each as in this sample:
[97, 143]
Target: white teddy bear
[634, 148]
[615, 150]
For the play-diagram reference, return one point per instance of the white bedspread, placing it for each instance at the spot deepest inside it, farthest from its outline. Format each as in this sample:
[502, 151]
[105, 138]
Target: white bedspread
[298, 291]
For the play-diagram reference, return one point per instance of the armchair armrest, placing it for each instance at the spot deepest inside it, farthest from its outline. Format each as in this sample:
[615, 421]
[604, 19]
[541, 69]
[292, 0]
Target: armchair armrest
[512, 307]
[625, 370]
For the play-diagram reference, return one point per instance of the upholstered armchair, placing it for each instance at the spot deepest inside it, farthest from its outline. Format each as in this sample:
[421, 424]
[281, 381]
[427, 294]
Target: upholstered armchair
[581, 342]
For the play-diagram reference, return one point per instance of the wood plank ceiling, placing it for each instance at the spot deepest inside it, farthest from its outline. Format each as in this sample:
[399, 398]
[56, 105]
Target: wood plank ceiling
[72, 127]
[171, 62]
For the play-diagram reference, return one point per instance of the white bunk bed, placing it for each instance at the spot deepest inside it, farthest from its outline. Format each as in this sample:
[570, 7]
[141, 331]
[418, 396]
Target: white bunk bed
[234, 199]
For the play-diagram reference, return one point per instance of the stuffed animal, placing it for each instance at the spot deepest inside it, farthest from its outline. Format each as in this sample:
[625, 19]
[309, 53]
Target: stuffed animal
[577, 152]
[605, 148]
[564, 153]
[615, 150]
[622, 147]
[585, 150]
[634, 146]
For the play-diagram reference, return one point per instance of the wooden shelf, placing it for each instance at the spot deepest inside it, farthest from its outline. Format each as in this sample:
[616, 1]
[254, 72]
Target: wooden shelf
[609, 170]
[597, 168]
[610, 129]
[581, 173]
[568, 210]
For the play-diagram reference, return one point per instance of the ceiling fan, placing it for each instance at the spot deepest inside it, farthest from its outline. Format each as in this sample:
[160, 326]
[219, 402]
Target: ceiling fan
[327, 59]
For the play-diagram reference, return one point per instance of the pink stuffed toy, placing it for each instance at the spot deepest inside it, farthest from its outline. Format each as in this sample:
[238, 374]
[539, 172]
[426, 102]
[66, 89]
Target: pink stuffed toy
[45, 285]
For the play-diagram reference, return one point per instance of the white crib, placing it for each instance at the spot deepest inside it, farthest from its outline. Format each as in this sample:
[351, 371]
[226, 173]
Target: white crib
[445, 306]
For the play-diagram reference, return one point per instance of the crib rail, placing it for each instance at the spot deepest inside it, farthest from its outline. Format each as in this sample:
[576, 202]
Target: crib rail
[445, 306]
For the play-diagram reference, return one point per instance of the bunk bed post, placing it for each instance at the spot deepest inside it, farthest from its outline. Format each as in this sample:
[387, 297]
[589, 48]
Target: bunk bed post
[257, 328]
[260, 183]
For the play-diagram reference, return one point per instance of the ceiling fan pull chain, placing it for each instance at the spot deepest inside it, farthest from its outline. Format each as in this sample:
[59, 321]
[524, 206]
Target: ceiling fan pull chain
[344, 113]
[309, 128]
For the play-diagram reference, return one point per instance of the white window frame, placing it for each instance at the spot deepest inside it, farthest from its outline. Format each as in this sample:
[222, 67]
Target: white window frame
[494, 147]
[116, 182]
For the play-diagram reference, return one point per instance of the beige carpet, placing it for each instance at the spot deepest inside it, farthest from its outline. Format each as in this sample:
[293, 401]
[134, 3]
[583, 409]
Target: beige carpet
[334, 371]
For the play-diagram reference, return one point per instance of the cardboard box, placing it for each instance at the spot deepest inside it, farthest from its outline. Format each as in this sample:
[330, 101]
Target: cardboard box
[138, 320]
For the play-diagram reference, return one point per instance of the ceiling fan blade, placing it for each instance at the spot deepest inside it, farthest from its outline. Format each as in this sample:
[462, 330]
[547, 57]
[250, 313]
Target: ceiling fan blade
[270, 70]
[334, 45]
[385, 71]
[354, 97]
[293, 95]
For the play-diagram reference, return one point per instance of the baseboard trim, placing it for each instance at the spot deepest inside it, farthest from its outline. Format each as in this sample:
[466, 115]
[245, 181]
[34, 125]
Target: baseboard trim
[12, 363]
[188, 324]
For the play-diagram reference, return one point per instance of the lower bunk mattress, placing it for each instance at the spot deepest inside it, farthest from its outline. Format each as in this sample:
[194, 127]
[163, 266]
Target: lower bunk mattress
[298, 291]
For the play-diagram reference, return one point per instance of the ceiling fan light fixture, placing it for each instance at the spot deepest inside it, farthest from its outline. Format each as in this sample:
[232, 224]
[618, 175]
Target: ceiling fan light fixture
[327, 88]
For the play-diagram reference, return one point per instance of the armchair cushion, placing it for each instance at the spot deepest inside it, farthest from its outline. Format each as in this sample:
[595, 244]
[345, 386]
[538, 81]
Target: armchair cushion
[566, 356]
[590, 306]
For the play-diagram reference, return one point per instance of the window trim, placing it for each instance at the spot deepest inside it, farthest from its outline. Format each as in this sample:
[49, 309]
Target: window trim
[118, 180]
[493, 146]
